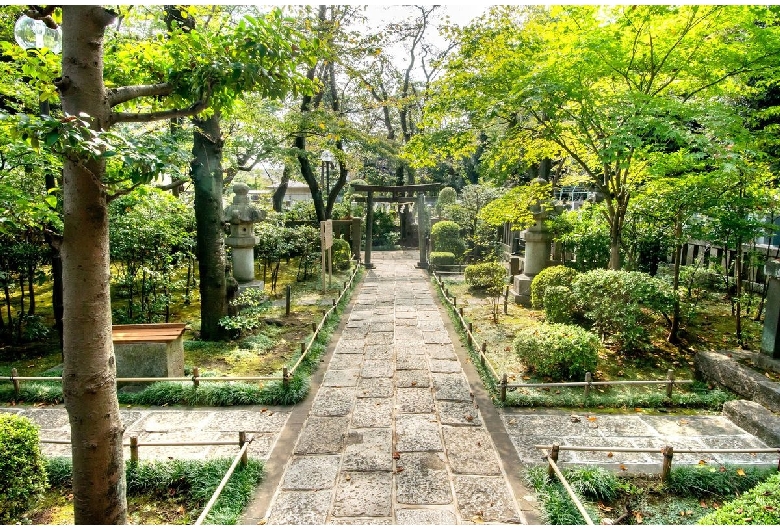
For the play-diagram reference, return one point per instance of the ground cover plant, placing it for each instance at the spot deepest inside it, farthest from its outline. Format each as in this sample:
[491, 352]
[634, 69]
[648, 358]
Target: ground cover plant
[710, 326]
[702, 494]
[169, 492]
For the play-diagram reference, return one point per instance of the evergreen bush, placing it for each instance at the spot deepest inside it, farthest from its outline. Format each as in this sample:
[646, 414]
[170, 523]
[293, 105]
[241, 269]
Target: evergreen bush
[341, 254]
[559, 275]
[438, 259]
[560, 351]
[490, 276]
[22, 468]
[616, 303]
[445, 237]
[559, 304]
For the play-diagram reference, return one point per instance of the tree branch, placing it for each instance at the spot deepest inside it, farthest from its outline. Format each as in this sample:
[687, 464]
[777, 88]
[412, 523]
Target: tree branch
[124, 94]
[146, 117]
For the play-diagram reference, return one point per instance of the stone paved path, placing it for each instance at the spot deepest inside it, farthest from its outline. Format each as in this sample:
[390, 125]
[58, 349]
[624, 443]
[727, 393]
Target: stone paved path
[394, 435]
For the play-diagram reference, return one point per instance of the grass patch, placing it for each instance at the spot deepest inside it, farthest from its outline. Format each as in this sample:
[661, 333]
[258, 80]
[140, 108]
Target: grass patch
[170, 492]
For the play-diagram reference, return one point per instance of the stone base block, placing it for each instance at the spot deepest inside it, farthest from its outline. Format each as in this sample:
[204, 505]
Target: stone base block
[521, 289]
[755, 419]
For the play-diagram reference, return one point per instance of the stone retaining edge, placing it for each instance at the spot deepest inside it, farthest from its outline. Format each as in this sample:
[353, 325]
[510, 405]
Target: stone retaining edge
[724, 371]
[755, 419]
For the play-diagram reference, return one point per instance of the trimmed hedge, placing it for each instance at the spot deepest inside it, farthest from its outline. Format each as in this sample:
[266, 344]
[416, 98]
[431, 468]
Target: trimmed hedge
[560, 351]
[760, 505]
[22, 468]
[341, 254]
[445, 237]
[438, 259]
[559, 275]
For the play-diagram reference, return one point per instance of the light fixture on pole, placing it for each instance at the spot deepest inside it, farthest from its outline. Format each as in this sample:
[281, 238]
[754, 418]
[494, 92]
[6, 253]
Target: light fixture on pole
[327, 160]
[35, 34]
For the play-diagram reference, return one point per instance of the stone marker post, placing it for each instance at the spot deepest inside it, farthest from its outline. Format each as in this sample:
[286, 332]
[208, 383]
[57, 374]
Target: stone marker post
[423, 229]
[770, 337]
[242, 216]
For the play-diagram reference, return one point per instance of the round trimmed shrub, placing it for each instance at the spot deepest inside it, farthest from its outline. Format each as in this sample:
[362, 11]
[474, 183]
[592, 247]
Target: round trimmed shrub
[559, 275]
[559, 351]
[447, 196]
[438, 259]
[22, 468]
[445, 237]
[559, 304]
[341, 254]
[490, 276]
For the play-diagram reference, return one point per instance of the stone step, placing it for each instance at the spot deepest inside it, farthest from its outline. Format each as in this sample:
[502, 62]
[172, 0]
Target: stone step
[755, 419]
[723, 369]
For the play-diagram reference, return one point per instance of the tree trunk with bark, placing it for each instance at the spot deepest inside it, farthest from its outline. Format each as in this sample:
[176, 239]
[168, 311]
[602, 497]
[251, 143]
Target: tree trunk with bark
[206, 171]
[89, 372]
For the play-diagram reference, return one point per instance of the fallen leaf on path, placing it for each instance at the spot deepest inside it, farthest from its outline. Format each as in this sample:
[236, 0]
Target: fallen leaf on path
[741, 472]
[638, 517]
[610, 455]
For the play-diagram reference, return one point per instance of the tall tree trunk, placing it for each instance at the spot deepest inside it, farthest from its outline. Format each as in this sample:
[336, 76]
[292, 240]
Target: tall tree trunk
[281, 190]
[89, 372]
[675, 327]
[206, 171]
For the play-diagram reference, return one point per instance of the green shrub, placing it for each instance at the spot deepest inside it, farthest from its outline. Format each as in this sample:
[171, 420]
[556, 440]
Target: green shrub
[560, 351]
[558, 275]
[447, 196]
[559, 304]
[490, 276]
[22, 468]
[341, 254]
[438, 259]
[615, 303]
[760, 505]
[445, 237]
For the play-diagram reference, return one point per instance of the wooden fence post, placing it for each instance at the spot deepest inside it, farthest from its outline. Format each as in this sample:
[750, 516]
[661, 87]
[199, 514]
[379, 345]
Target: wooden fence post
[334, 302]
[14, 375]
[134, 449]
[666, 470]
[482, 357]
[195, 376]
[554, 457]
[506, 300]
[287, 301]
[670, 384]
[241, 442]
[460, 311]
[469, 335]
[503, 387]
[303, 348]
[285, 375]
[588, 380]
[454, 302]
[314, 327]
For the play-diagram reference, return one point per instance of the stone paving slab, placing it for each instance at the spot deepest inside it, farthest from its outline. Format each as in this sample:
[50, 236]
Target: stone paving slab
[412, 445]
[642, 431]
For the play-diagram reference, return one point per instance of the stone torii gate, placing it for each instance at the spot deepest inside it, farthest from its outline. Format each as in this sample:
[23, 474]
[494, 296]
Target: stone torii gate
[409, 193]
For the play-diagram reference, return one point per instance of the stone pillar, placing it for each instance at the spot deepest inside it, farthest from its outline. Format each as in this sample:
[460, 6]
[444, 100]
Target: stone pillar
[770, 337]
[422, 231]
[369, 228]
[356, 234]
[537, 254]
[242, 216]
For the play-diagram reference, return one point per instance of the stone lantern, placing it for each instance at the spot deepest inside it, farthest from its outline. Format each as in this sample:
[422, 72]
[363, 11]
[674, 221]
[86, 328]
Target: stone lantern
[538, 244]
[242, 216]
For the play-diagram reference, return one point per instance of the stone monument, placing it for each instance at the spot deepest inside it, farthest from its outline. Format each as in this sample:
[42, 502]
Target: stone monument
[538, 241]
[770, 337]
[242, 216]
